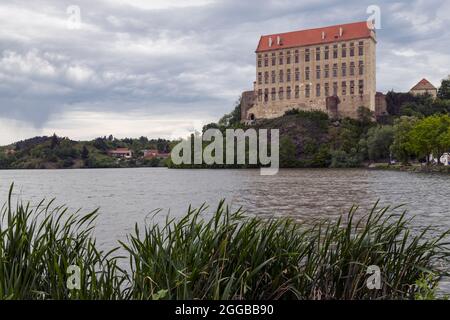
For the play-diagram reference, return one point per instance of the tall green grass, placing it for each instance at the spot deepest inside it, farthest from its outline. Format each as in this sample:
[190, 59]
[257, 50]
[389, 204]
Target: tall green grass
[37, 245]
[226, 255]
[231, 256]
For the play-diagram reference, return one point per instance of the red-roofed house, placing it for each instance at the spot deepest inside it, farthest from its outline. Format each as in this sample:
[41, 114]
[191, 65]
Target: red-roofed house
[424, 87]
[330, 68]
[154, 153]
[121, 153]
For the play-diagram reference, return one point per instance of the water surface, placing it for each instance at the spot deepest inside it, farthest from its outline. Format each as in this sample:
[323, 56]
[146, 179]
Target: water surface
[128, 196]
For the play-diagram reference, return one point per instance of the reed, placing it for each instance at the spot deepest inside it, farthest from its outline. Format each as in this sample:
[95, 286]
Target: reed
[37, 245]
[223, 255]
[231, 256]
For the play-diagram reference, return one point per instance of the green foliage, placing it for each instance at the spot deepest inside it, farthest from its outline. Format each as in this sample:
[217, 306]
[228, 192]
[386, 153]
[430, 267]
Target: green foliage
[430, 136]
[288, 153]
[426, 287]
[365, 116]
[233, 118]
[56, 152]
[38, 244]
[402, 144]
[343, 159]
[444, 90]
[395, 101]
[379, 141]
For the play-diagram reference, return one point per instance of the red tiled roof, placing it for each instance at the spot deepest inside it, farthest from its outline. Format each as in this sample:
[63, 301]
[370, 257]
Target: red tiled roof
[350, 31]
[120, 150]
[424, 84]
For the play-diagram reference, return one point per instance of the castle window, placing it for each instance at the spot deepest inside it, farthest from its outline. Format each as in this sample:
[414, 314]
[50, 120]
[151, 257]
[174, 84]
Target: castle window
[281, 58]
[297, 92]
[361, 86]
[361, 68]
[288, 57]
[344, 88]
[266, 77]
[259, 61]
[266, 60]
[318, 90]
[281, 76]
[266, 95]
[297, 74]
[352, 87]
[335, 88]
[335, 70]
[327, 71]
[307, 73]
[318, 54]
[344, 50]
[307, 55]
[288, 93]
[260, 93]
[274, 76]
[274, 94]
[327, 53]
[281, 93]
[288, 75]
[361, 48]
[274, 59]
[307, 91]
[335, 51]
[352, 49]
[327, 89]
[259, 78]
[317, 72]
[344, 69]
[352, 68]
[297, 58]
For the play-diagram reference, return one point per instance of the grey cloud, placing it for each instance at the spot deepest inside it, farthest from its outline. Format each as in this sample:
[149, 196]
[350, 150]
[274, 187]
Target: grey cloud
[183, 60]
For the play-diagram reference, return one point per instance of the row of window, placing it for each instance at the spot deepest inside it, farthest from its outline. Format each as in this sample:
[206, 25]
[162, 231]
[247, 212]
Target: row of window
[324, 54]
[327, 91]
[327, 73]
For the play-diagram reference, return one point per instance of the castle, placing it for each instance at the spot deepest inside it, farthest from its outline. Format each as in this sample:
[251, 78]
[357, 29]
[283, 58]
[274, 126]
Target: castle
[332, 69]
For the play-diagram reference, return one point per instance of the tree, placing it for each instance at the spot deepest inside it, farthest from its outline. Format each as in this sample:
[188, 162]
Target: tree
[54, 141]
[100, 144]
[401, 146]
[444, 90]
[84, 153]
[365, 115]
[428, 136]
[232, 118]
[288, 152]
[379, 141]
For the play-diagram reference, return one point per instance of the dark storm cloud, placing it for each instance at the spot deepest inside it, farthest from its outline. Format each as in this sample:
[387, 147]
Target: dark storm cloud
[154, 56]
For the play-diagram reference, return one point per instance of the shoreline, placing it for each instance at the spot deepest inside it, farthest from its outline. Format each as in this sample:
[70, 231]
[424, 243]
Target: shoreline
[410, 168]
[376, 166]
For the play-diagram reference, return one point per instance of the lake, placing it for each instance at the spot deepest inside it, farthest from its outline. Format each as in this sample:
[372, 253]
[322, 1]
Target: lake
[129, 196]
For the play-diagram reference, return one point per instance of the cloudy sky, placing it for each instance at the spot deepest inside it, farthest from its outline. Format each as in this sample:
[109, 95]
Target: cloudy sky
[161, 67]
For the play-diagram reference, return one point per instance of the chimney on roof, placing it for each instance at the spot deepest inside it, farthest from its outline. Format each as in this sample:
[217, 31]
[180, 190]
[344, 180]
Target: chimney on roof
[323, 35]
[279, 40]
[341, 31]
[270, 41]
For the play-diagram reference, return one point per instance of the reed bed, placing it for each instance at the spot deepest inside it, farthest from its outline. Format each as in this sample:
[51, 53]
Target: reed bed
[226, 255]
